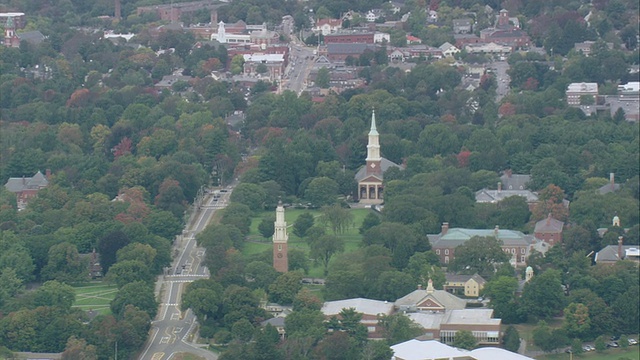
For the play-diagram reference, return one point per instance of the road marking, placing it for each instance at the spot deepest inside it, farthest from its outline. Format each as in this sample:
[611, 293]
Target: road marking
[175, 316]
[157, 356]
[170, 304]
[165, 340]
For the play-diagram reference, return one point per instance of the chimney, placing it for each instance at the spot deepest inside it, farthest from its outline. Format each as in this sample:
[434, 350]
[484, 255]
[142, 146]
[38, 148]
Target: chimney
[508, 172]
[620, 257]
[496, 231]
[214, 17]
[612, 181]
[47, 173]
[24, 181]
[419, 286]
[445, 228]
[549, 219]
[499, 186]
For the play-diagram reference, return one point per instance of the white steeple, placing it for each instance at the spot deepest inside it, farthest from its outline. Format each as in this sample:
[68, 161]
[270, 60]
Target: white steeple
[373, 148]
[280, 225]
[221, 35]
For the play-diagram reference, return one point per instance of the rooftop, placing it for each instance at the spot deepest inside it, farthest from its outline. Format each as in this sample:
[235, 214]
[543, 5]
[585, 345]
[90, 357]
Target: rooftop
[361, 305]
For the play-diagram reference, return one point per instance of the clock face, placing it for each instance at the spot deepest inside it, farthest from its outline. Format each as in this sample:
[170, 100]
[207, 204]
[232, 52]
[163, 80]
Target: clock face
[373, 165]
[279, 255]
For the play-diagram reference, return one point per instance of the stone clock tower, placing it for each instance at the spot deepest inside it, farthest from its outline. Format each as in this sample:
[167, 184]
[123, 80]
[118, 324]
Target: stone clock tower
[280, 237]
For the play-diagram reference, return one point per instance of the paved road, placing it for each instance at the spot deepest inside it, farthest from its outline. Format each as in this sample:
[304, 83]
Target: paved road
[173, 330]
[301, 60]
[502, 78]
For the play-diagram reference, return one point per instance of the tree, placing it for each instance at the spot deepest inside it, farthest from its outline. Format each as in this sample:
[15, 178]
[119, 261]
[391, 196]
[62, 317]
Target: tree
[324, 248]
[398, 328]
[303, 223]
[267, 226]
[249, 194]
[322, 191]
[65, 264]
[323, 78]
[511, 339]
[285, 288]
[576, 320]
[305, 323]
[464, 339]
[128, 271]
[108, 247]
[55, 294]
[242, 330]
[338, 218]
[376, 350]
[369, 221]
[237, 62]
[543, 296]
[479, 255]
[502, 292]
[138, 294]
[78, 349]
[306, 300]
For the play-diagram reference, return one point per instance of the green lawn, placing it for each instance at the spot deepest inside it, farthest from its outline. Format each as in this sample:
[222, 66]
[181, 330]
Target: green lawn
[95, 296]
[257, 243]
[632, 353]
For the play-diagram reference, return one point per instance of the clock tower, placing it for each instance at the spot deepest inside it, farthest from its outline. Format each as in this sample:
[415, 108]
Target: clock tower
[373, 149]
[280, 237]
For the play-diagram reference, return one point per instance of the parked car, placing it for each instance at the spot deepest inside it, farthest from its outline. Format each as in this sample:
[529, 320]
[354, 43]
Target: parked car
[588, 348]
[612, 344]
[633, 342]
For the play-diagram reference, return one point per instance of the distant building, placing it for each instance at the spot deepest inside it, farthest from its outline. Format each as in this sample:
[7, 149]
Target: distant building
[172, 12]
[327, 26]
[340, 52]
[462, 26]
[349, 37]
[575, 91]
[280, 239]
[468, 285]
[27, 188]
[370, 176]
[611, 254]
[516, 244]
[448, 49]
[511, 181]
[370, 310]
[495, 196]
[18, 18]
[549, 230]
[275, 64]
[586, 46]
[487, 48]
[434, 350]
[610, 187]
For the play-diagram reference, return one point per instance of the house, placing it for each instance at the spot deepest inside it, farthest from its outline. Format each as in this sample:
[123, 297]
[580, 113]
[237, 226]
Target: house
[586, 46]
[462, 26]
[277, 322]
[412, 40]
[381, 37]
[350, 37]
[275, 64]
[18, 18]
[576, 91]
[487, 48]
[27, 188]
[514, 243]
[433, 350]
[370, 310]
[610, 187]
[448, 49]
[511, 181]
[469, 285]
[168, 81]
[495, 196]
[373, 15]
[327, 26]
[549, 230]
[611, 254]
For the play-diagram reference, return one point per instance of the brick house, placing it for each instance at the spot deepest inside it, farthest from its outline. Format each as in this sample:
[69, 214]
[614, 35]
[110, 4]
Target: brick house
[549, 230]
[514, 243]
[27, 188]
[370, 310]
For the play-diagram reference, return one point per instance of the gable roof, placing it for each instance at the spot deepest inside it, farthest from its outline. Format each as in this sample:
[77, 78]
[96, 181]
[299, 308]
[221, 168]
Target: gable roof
[610, 253]
[464, 278]
[458, 236]
[385, 164]
[549, 225]
[420, 296]
[514, 181]
[33, 37]
[361, 305]
[18, 184]
[493, 196]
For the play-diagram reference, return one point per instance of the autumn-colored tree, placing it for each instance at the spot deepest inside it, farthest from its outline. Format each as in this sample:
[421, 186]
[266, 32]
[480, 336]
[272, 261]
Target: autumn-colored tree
[463, 158]
[123, 148]
[507, 109]
[531, 84]
[79, 98]
[551, 202]
[137, 210]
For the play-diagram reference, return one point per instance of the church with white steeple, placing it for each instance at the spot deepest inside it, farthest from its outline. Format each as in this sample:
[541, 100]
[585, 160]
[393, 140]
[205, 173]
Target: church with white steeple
[370, 176]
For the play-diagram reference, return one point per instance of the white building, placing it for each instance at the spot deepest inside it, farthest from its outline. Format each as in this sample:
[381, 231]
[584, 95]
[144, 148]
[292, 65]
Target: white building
[576, 90]
[380, 37]
[448, 49]
[488, 48]
[433, 350]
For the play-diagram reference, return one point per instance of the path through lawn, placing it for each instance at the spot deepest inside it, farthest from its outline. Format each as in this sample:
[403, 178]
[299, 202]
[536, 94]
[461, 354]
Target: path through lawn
[95, 296]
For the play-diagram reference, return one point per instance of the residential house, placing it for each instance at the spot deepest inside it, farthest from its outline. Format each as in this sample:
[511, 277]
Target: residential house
[373, 15]
[433, 350]
[575, 92]
[586, 46]
[381, 38]
[549, 230]
[611, 254]
[511, 181]
[463, 26]
[277, 322]
[26, 188]
[412, 40]
[327, 26]
[514, 243]
[370, 310]
[495, 196]
[168, 81]
[469, 285]
[448, 49]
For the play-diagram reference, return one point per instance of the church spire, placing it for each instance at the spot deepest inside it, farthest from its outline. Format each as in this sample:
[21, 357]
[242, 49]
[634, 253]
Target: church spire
[373, 130]
[373, 148]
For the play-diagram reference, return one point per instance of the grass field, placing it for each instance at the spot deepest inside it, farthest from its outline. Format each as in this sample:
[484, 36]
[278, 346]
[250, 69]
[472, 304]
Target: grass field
[95, 296]
[632, 353]
[257, 243]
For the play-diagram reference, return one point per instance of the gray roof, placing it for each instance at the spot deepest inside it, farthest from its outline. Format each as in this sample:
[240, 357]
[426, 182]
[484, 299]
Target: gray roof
[361, 305]
[447, 300]
[458, 236]
[462, 22]
[549, 225]
[610, 253]
[385, 164]
[355, 49]
[605, 189]
[33, 37]
[18, 184]
[494, 196]
[464, 278]
[514, 181]
[276, 321]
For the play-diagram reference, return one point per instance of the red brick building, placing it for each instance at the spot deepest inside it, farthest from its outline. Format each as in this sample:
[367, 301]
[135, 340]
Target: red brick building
[549, 230]
[349, 38]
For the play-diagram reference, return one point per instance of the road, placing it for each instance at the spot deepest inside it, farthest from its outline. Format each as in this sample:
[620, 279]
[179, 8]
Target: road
[172, 330]
[301, 59]
[502, 78]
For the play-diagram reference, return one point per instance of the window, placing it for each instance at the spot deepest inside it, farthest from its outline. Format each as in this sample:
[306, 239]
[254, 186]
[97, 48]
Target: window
[522, 258]
[279, 247]
[446, 251]
[371, 329]
[522, 250]
[446, 259]
[513, 251]
[437, 251]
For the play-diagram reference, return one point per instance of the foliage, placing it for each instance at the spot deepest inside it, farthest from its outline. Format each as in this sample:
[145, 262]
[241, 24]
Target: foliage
[465, 340]
[479, 255]
[511, 339]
